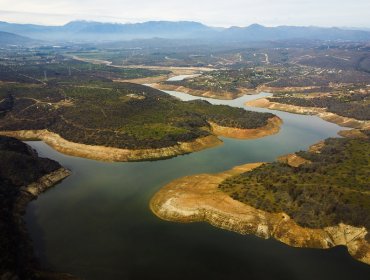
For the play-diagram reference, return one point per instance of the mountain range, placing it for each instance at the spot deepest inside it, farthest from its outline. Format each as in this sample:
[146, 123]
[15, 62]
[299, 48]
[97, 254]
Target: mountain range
[7, 39]
[90, 31]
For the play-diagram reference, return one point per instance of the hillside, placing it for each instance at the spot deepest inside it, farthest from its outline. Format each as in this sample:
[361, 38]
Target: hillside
[23, 175]
[7, 39]
[330, 188]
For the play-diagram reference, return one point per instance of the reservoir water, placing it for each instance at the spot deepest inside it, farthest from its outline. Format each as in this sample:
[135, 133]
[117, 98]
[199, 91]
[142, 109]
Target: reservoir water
[96, 224]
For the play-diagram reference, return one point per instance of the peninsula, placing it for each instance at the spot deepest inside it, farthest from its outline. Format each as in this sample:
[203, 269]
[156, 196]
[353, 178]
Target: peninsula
[347, 106]
[104, 120]
[315, 199]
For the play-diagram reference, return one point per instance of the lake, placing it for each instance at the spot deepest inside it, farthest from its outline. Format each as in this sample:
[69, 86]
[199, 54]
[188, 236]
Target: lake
[96, 224]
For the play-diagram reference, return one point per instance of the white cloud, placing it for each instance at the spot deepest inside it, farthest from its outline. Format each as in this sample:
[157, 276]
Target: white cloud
[212, 12]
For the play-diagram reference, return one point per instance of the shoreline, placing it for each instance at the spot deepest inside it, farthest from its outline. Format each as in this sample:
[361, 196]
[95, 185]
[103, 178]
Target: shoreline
[226, 95]
[204, 93]
[111, 154]
[320, 112]
[271, 128]
[197, 199]
[26, 195]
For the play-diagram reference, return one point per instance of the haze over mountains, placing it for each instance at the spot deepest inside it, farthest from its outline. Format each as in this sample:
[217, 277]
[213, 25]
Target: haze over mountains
[87, 31]
[7, 38]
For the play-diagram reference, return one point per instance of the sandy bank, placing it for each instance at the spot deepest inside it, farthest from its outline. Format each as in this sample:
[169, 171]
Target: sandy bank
[198, 199]
[320, 112]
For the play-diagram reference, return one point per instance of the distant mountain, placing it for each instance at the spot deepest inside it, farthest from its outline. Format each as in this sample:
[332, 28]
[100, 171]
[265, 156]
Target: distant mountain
[257, 32]
[91, 31]
[7, 38]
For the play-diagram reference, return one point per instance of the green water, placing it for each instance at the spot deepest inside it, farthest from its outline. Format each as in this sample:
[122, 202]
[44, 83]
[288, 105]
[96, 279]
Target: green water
[96, 224]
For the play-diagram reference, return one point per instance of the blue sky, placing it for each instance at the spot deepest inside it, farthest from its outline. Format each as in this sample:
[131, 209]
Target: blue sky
[212, 12]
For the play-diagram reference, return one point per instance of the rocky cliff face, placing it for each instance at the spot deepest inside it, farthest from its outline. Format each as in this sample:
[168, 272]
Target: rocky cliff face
[198, 199]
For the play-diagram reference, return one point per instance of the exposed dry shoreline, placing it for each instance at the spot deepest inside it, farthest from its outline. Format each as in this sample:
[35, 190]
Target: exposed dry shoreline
[198, 199]
[112, 154]
[204, 93]
[225, 95]
[320, 112]
[272, 127]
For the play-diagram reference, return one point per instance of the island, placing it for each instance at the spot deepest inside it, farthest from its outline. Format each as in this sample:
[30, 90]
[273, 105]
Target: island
[23, 176]
[314, 199]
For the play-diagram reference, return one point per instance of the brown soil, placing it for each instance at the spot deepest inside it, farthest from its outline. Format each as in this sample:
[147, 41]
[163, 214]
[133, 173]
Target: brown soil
[293, 160]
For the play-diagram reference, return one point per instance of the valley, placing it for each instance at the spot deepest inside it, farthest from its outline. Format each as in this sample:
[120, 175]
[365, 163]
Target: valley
[160, 137]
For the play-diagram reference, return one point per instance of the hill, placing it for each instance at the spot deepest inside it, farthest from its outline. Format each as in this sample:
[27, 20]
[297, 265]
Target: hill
[23, 175]
[7, 38]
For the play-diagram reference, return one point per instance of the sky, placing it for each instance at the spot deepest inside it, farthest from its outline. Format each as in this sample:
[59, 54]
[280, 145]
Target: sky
[341, 13]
